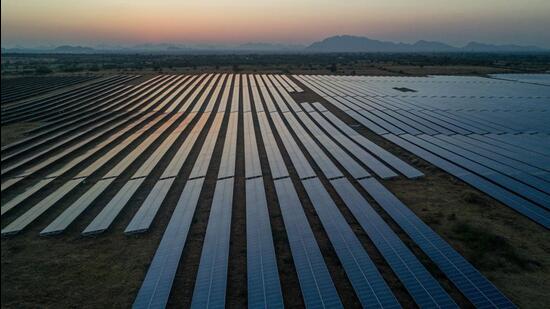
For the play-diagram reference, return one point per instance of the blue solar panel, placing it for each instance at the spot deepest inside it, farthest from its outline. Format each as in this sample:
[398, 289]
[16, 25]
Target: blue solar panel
[371, 162]
[301, 164]
[264, 289]
[444, 149]
[500, 155]
[146, 213]
[156, 286]
[492, 160]
[424, 289]
[276, 163]
[324, 162]
[211, 283]
[513, 201]
[511, 151]
[335, 150]
[316, 285]
[403, 167]
[480, 291]
[370, 287]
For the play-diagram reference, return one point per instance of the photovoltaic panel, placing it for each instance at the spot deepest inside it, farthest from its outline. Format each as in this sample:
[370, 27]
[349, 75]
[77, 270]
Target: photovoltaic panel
[108, 214]
[264, 289]
[513, 201]
[147, 211]
[274, 157]
[211, 282]
[155, 288]
[424, 289]
[30, 215]
[251, 157]
[316, 285]
[75, 209]
[369, 286]
[464, 276]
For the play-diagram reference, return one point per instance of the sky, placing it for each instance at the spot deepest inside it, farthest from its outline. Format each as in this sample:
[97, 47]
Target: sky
[31, 23]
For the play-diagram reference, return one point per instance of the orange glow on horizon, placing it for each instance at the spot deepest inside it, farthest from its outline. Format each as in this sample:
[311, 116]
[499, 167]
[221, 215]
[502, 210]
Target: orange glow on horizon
[224, 21]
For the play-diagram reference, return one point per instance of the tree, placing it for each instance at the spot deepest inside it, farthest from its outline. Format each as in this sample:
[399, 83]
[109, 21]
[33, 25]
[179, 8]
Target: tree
[43, 70]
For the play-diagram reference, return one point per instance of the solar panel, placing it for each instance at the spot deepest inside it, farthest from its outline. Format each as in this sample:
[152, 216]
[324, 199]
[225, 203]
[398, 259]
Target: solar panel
[24, 195]
[147, 211]
[181, 154]
[274, 157]
[32, 214]
[444, 124]
[264, 289]
[76, 208]
[227, 162]
[322, 160]
[152, 161]
[246, 97]
[336, 151]
[522, 206]
[369, 286]
[499, 154]
[225, 95]
[256, 99]
[316, 285]
[155, 288]
[492, 160]
[284, 94]
[292, 83]
[211, 282]
[278, 100]
[440, 148]
[401, 166]
[424, 289]
[236, 94]
[108, 214]
[466, 278]
[265, 94]
[284, 83]
[217, 86]
[251, 157]
[203, 160]
[511, 151]
[93, 166]
[36, 157]
[298, 159]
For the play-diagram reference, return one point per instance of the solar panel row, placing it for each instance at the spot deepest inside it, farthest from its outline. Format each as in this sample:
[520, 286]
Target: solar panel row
[173, 116]
[462, 136]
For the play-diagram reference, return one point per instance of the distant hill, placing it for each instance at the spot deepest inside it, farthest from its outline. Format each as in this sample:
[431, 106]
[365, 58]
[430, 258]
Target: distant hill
[355, 44]
[432, 46]
[260, 46]
[334, 44]
[481, 47]
[348, 43]
[67, 49]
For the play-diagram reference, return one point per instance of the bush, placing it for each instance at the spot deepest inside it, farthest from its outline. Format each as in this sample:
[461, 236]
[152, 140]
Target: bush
[43, 70]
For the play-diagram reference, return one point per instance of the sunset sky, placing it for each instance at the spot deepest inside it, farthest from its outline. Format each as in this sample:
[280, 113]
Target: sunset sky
[50, 22]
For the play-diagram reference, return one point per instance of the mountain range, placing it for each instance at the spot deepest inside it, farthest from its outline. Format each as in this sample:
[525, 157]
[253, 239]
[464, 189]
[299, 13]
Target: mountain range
[334, 44]
[355, 44]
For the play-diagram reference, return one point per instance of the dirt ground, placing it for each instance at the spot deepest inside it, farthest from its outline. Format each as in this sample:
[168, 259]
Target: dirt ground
[106, 271]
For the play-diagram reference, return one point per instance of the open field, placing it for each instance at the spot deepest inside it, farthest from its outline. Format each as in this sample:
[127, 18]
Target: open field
[382, 64]
[271, 190]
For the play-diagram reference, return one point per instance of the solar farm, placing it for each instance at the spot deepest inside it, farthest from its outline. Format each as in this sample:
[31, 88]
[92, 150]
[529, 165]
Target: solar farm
[266, 190]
